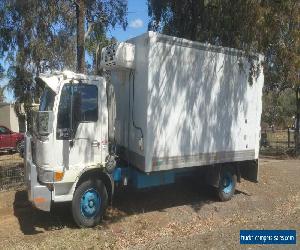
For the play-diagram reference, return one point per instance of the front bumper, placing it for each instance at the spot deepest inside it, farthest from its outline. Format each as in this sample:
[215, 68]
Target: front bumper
[39, 195]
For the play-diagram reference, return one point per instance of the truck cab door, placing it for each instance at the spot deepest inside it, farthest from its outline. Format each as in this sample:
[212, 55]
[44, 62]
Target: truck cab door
[78, 125]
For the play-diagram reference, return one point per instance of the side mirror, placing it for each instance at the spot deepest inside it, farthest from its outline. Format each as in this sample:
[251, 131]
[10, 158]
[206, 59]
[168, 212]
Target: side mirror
[45, 122]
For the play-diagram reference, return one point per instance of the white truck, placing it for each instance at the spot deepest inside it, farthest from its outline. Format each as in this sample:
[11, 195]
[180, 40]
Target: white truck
[167, 107]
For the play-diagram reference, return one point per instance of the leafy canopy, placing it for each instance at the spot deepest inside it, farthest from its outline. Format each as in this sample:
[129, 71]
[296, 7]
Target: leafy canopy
[265, 26]
[40, 35]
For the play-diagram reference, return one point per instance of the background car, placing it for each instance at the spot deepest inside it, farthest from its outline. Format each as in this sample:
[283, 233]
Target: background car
[9, 140]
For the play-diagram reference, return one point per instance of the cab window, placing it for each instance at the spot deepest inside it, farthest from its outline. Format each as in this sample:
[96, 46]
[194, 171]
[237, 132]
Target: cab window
[47, 100]
[78, 103]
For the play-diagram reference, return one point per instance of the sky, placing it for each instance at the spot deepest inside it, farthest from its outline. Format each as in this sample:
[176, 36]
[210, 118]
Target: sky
[137, 24]
[137, 21]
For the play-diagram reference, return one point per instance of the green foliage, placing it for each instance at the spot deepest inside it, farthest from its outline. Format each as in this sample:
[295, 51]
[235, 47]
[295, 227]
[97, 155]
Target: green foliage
[264, 26]
[279, 108]
[40, 35]
[281, 44]
[221, 22]
[100, 16]
[36, 35]
[1, 72]
[1, 88]
[94, 48]
[1, 94]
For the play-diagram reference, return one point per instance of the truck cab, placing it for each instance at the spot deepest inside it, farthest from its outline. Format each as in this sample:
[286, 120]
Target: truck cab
[69, 139]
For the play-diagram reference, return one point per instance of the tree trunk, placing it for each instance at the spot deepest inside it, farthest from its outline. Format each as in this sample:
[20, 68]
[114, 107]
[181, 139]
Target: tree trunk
[80, 16]
[297, 135]
[194, 15]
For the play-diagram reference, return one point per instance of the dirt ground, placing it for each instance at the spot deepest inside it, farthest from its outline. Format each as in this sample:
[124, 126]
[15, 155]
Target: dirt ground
[182, 216]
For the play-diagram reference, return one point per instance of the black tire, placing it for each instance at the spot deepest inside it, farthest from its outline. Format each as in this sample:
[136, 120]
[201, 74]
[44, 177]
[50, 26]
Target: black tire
[227, 184]
[83, 214]
[19, 146]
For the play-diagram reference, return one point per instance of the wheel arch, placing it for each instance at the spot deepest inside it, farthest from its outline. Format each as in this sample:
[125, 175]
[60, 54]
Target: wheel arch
[100, 174]
[213, 172]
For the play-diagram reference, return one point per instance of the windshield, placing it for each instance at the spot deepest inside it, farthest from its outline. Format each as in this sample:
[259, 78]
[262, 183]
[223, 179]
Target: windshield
[47, 100]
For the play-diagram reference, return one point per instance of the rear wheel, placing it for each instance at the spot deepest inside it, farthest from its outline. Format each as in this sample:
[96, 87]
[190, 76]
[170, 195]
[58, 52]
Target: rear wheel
[89, 203]
[227, 184]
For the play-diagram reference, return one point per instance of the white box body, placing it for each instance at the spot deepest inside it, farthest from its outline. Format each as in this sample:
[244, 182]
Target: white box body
[193, 102]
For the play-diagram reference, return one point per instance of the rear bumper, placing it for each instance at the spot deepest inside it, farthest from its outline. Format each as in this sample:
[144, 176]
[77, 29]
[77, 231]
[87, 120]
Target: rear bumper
[39, 195]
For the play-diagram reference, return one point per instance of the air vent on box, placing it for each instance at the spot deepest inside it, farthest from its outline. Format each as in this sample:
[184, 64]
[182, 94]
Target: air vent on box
[118, 55]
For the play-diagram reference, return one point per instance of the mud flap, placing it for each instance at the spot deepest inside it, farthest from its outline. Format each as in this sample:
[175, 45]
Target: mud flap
[212, 175]
[250, 170]
[41, 198]
[38, 194]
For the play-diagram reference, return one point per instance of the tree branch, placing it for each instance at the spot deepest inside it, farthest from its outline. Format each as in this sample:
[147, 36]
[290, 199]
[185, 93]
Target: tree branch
[89, 30]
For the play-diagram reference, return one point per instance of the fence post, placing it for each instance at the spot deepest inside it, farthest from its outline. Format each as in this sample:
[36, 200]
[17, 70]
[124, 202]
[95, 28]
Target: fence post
[289, 139]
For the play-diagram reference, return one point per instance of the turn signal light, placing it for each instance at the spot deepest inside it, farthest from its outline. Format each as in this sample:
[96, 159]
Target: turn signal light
[39, 200]
[58, 176]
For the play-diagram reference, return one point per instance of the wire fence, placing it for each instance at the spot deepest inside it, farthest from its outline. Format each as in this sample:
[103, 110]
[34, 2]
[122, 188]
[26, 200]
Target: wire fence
[277, 142]
[11, 171]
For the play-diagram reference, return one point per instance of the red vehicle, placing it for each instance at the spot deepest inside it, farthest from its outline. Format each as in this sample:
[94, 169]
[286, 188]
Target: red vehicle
[9, 140]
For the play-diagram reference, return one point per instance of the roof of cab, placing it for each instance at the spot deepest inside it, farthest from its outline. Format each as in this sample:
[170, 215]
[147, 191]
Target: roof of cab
[54, 79]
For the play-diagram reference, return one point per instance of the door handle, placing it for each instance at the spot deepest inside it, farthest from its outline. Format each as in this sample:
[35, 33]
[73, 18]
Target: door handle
[95, 143]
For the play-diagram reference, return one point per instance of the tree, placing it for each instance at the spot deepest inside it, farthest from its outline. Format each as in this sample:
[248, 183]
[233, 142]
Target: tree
[1, 88]
[1, 94]
[98, 15]
[80, 17]
[36, 36]
[279, 108]
[282, 50]
[264, 26]
[220, 22]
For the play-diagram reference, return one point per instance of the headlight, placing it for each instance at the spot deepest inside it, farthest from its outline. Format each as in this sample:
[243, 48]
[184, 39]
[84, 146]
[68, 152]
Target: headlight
[49, 176]
[45, 176]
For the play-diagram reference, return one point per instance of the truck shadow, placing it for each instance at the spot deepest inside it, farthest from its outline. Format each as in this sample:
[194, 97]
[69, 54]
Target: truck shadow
[183, 192]
[33, 221]
[125, 203]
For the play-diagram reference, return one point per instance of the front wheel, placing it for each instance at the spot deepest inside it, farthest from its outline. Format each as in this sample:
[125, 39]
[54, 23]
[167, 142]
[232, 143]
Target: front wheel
[20, 147]
[89, 203]
[227, 184]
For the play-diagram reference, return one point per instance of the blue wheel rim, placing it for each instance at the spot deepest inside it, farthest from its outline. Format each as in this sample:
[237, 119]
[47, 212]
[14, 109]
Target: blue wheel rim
[90, 203]
[227, 183]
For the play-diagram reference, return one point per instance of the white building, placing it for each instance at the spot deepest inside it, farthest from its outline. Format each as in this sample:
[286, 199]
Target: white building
[9, 118]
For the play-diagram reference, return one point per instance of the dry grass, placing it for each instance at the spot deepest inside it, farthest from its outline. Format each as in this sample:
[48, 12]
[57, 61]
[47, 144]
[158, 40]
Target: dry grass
[10, 160]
